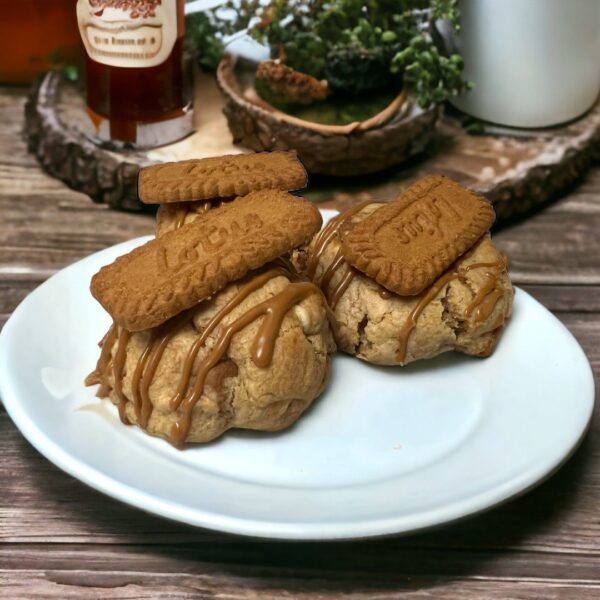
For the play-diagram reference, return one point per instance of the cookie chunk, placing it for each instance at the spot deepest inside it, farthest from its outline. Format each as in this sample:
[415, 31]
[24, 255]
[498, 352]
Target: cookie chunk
[255, 356]
[464, 309]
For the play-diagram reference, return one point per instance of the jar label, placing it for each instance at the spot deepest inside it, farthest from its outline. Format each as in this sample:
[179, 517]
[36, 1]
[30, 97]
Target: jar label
[128, 33]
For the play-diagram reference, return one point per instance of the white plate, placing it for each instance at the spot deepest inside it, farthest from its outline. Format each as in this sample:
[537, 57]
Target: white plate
[383, 450]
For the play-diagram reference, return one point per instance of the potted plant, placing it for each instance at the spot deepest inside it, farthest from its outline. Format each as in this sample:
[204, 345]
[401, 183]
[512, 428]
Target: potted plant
[354, 86]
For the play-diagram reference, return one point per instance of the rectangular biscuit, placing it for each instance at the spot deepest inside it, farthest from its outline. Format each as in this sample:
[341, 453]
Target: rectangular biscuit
[158, 280]
[408, 243]
[220, 177]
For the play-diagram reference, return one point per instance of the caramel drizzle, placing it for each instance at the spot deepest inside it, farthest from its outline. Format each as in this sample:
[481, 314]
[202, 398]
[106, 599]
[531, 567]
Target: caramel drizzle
[497, 264]
[322, 241]
[273, 310]
[147, 366]
[285, 263]
[340, 289]
[118, 364]
[185, 399]
[242, 294]
[331, 270]
[97, 375]
[488, 303]
[488, 296]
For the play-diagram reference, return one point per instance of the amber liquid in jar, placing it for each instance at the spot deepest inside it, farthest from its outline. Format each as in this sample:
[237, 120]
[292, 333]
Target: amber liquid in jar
[131, 99]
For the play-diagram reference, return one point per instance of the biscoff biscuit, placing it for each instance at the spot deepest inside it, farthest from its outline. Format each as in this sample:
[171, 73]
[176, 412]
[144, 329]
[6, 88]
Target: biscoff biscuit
[220, 177]
[406, 244]
[169, 274]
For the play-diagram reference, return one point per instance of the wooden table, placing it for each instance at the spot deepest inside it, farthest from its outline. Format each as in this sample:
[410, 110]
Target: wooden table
[59, 538]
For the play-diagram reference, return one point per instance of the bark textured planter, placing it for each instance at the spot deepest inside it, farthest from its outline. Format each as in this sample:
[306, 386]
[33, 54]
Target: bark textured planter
[398, 133]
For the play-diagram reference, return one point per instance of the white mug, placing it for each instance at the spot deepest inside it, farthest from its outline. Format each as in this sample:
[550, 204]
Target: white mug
[535, 63]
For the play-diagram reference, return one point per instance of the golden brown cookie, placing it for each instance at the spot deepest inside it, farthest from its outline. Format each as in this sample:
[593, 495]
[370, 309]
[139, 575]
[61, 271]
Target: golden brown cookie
[465, 309]
[220, 177]
[196, 376]
[167, 275]
[406, 244]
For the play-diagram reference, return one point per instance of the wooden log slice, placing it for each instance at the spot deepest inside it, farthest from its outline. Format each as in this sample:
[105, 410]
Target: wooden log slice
[517, 170]
[60, 134]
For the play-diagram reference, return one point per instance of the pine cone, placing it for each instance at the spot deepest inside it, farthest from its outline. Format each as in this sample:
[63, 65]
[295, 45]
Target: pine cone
[284, 85]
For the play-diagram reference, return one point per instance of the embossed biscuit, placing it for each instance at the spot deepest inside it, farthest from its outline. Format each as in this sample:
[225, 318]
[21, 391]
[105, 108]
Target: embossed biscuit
[220, 176]
[406, 244]
[174, 272]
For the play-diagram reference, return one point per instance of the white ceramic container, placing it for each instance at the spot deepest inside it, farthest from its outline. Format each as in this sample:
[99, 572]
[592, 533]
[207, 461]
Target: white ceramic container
[535, 63]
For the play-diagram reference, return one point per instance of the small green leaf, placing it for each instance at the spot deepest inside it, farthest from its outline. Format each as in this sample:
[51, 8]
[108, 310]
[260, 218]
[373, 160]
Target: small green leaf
[71, 72]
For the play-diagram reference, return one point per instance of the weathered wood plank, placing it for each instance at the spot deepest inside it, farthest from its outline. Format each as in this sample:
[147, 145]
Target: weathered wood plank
[244, 569]
[559, 245]
[566, 298]
[12, 291]
[49, 232]
[362, 563]
[13, 149]
[86, 584]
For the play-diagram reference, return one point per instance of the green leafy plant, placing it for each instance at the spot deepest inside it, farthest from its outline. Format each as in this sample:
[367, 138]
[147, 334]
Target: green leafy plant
[205, 36]
[359, 46]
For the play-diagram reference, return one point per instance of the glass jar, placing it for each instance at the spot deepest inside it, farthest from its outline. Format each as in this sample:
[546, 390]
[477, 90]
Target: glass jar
[138, 81]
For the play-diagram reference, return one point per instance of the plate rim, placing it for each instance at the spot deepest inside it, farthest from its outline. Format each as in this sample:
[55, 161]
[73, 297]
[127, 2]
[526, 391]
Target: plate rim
[399, 525]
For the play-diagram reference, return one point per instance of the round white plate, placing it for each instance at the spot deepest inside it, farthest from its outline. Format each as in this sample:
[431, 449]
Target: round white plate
[383, 450]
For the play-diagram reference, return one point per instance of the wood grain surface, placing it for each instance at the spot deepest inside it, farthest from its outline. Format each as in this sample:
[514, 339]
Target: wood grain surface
[60, 539]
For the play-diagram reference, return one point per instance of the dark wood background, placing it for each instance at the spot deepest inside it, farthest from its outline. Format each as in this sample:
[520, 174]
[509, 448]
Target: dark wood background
[58, 538]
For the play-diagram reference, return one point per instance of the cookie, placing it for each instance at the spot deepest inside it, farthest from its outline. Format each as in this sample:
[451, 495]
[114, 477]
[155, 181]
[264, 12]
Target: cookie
[169, 274]
[220, 177]
[145, 373]
[406, 244]
[464, 310]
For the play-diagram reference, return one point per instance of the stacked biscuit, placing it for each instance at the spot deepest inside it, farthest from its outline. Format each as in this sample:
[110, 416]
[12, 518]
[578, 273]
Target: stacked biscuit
[414, 277]
[212, 326]
[215, 328]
